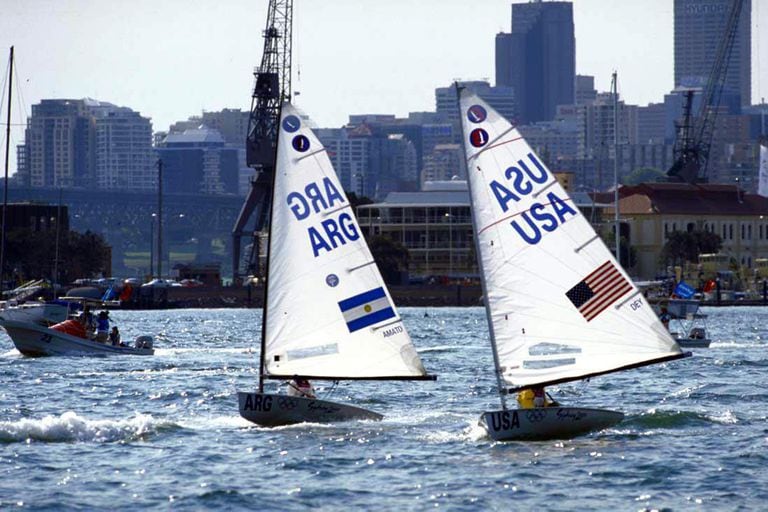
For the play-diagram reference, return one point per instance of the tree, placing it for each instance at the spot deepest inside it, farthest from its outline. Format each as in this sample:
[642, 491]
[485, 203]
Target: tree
[684, 246]
[32, 255]
[391, 257]
[644, 175]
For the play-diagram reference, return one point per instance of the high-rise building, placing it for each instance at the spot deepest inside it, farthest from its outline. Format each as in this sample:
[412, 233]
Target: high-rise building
[86, 144]
[58, 149]
[699, 29]
[123, 148]
[198, 161]
[538, 59]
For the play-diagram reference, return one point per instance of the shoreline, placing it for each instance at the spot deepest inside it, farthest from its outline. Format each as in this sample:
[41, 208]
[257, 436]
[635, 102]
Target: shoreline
[403, 296]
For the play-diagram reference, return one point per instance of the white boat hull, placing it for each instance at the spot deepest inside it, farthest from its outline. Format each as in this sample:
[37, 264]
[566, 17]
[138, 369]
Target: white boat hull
[693, 342]
[35, 312]
[35, 340]
[274, 410]
[544, 423]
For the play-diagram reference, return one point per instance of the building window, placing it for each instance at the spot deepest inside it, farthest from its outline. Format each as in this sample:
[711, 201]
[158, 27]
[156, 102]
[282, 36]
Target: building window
[743, 232]
[730, 231]
[749, 231]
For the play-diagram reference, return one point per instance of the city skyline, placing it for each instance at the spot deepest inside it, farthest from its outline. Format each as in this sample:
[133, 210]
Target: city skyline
[172, 60]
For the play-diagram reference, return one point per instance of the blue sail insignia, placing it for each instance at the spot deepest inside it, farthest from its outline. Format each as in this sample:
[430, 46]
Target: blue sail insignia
[365, 309]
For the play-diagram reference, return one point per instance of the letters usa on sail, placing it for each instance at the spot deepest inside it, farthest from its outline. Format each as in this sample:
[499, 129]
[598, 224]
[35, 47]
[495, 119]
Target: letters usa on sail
[521, 181]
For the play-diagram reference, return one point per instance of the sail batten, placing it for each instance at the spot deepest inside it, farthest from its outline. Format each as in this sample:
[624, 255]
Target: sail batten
[329, 314]
[549, 281]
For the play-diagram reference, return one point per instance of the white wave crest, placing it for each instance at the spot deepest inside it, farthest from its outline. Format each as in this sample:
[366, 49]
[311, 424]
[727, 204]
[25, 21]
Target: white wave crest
[69, 427]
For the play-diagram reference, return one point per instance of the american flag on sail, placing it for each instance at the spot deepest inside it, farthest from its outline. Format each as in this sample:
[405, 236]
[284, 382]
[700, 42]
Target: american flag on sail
[598, 290]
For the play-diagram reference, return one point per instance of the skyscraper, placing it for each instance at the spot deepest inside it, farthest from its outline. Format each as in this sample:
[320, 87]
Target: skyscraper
[699, 29]
[538, 59]
[86, 144]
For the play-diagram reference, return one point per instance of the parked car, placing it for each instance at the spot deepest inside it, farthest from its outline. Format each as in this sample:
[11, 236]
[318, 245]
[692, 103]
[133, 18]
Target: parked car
[157, 283]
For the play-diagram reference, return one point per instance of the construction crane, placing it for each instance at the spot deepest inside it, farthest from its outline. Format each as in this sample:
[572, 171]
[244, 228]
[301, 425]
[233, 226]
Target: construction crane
[272, 85]
[694, 138]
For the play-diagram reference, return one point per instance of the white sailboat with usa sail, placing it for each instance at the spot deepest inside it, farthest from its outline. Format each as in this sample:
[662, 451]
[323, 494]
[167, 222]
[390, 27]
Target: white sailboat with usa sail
[559, 306]
[328, 314]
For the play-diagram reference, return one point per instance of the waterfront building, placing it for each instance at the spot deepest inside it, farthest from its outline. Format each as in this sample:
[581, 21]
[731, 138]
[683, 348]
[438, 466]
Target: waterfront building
[435, 225]
[698, 30]
[651, 211]
[538, 59]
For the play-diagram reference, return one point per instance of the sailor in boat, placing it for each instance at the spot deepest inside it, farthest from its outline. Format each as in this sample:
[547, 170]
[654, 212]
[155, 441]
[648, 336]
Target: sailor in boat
[535, 397]
[301, 387]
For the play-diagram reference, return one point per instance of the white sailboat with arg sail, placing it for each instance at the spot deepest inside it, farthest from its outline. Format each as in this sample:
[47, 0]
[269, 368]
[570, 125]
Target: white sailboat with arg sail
[328, 314]
[559, 306]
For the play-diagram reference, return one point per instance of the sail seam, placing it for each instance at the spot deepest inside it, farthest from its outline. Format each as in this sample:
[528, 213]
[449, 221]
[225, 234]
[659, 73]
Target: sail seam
[579, 248]
[493, 144]
[393, 322]
[310, 154]
[541, 191]
[331, 212]
[350, 270]
[620, 304]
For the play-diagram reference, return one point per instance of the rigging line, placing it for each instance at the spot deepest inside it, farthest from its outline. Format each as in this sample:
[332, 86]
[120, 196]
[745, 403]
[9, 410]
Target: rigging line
[19, 94]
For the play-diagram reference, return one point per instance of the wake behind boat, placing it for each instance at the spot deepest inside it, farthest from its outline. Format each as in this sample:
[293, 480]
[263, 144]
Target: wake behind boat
[328, 314]
[559, 307]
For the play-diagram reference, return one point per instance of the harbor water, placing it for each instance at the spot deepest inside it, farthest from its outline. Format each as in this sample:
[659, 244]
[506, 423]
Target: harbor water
[163, 432]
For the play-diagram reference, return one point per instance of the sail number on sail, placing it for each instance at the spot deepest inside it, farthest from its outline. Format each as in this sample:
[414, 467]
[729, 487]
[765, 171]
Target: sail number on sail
[521, 181]
[332, 232]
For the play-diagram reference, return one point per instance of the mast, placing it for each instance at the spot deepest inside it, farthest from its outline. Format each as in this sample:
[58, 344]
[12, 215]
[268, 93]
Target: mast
[159, 218]
[271, 206]
[614, 86]
[5, 183]
[496, 364]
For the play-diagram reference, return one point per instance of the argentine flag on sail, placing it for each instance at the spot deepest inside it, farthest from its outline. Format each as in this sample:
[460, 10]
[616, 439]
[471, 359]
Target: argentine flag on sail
[366, 309]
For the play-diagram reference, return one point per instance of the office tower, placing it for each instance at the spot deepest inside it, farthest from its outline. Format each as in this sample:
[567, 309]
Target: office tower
[538, 59]
[699, 30]
[198, 161]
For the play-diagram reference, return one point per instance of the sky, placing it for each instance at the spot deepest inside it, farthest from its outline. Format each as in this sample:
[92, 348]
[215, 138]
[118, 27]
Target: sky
[171, 59]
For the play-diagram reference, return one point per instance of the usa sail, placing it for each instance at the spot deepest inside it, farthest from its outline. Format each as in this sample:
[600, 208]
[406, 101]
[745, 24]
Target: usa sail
[560, 307]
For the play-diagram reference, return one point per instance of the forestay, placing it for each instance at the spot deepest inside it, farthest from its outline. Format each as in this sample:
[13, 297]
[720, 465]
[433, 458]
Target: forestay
[329, 313]
[560, 307]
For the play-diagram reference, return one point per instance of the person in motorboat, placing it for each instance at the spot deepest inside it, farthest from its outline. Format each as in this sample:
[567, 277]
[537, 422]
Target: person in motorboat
[301, 387]
[530, 398]
[102, 327]
[114, 336]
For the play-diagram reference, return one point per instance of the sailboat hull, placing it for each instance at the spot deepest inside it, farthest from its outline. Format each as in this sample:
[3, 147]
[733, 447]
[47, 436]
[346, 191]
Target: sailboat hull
[274, 410]
[544, 423]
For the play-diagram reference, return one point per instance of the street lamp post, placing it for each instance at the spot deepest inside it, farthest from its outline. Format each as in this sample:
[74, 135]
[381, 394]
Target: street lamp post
[151, 244]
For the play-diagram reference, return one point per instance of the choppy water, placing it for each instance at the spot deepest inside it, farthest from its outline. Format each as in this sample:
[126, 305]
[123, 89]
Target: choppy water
[164, 432]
